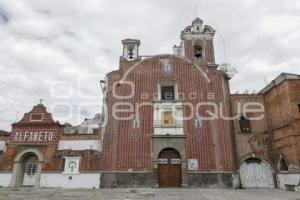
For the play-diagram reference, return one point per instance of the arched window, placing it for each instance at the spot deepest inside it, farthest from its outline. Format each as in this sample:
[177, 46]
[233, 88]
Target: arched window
[198, 48]
[245, 125]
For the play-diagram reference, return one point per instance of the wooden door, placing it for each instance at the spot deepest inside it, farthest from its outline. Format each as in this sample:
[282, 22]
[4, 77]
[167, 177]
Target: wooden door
[169, 168]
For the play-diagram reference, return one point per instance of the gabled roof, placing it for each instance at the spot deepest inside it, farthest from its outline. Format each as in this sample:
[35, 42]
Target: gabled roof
[38, 115]
[278, 80]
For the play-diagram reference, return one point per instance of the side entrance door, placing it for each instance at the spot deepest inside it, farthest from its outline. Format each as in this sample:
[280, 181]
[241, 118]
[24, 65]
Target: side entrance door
[256, 174]
[169, 168]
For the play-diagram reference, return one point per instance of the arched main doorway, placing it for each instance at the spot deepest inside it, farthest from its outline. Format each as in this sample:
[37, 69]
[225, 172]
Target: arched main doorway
[169, 168]
[29, 169]
[256, 173]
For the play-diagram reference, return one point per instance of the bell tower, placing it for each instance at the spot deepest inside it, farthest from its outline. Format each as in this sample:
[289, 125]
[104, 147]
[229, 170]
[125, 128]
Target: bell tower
[131, 49]
[197, 43]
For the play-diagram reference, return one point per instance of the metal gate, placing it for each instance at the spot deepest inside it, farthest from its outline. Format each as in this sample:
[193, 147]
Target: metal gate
[256, 174]
[30, 170]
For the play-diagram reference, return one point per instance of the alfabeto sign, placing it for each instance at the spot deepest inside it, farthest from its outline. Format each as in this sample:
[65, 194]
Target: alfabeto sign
[33, 137]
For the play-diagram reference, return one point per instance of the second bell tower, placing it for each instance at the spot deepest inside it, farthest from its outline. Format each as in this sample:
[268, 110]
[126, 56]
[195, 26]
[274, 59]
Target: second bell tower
[197, 43]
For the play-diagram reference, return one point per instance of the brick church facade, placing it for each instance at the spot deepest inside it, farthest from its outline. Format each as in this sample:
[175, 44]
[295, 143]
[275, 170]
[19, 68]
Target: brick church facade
[169, 121]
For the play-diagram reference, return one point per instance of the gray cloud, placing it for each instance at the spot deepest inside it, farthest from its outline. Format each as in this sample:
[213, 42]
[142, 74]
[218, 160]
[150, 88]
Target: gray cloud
[45, 44]
[3, 17]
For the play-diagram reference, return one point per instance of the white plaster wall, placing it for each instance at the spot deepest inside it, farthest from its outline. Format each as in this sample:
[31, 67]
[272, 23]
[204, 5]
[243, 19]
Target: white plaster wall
[2, 146]
[5, 179]
[288, 179]
[79, 144]
[58, 180]
[168, 131]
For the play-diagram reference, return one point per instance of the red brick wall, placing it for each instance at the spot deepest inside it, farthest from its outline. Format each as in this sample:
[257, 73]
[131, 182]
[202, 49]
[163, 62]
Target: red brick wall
[258, 141]
[53, 159]
[208, 50]
[282, 108]
[127, 148]
[28, 127]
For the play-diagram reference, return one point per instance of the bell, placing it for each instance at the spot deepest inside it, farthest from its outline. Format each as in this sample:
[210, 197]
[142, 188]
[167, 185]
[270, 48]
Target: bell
[130, 54]
[198, 52]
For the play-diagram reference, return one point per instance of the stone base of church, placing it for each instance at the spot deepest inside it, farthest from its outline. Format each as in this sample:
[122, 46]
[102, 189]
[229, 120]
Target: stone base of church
[128, 179]
[213, 180]
[149, 179]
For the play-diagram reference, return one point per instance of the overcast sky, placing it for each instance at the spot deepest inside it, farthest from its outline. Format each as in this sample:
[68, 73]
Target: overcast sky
[58, 50]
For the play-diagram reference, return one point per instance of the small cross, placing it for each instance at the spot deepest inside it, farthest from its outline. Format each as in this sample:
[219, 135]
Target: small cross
[41, 101]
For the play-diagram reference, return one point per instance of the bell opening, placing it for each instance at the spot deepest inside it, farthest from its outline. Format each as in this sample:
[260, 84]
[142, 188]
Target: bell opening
[198, 52]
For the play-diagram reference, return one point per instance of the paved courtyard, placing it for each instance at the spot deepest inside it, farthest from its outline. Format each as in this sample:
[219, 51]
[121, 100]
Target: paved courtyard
[159, 194]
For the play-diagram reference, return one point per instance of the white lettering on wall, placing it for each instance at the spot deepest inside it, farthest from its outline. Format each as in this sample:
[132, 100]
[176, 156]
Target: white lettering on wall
[33, 136]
